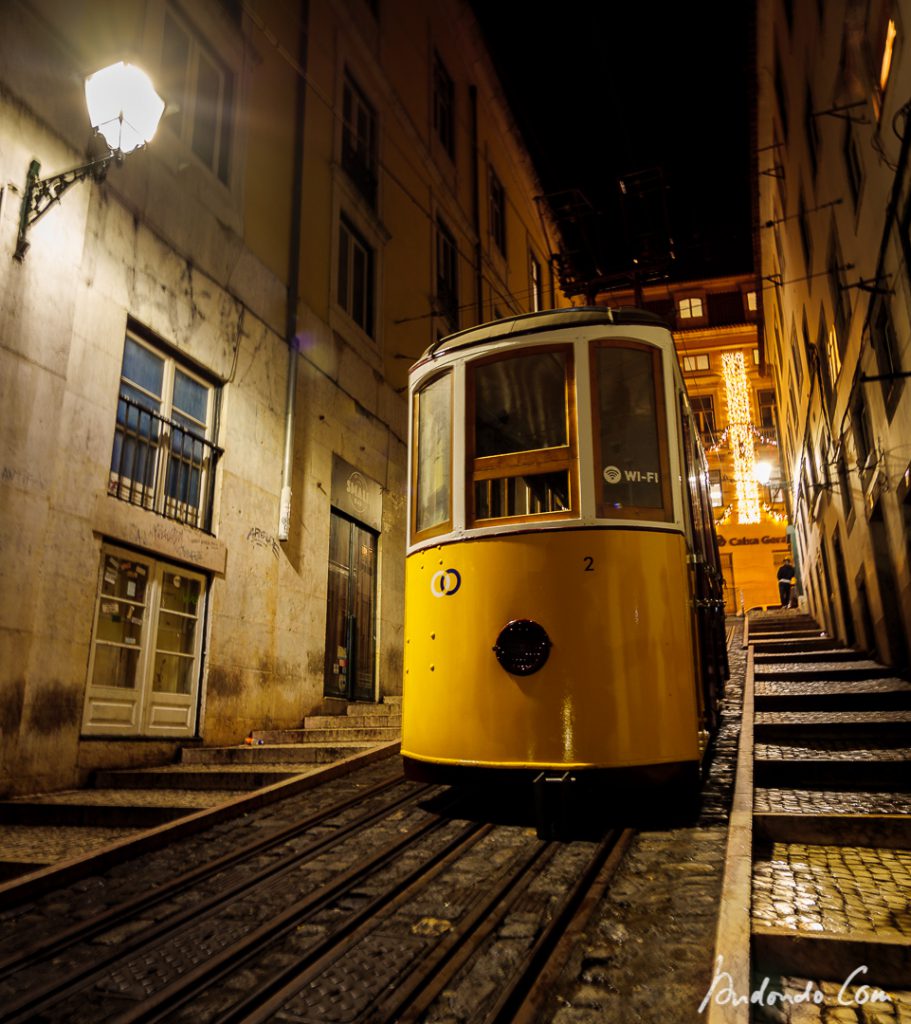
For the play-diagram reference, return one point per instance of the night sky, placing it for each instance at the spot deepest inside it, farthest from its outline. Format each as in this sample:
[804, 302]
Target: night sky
[609, 90]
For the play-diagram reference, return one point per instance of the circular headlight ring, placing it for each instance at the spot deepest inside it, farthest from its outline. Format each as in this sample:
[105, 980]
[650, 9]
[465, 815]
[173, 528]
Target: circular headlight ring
[523, 647]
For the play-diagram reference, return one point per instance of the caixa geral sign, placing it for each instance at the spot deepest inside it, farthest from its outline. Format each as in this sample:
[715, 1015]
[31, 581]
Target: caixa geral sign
[737, 541]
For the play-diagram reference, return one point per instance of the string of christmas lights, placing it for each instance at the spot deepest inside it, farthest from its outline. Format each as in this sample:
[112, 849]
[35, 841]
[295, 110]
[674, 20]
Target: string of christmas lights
[740, 436]
[772, 513]
[725, 515]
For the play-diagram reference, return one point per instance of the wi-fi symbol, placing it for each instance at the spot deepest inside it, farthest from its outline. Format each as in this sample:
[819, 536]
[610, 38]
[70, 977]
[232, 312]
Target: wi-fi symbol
[612, 475]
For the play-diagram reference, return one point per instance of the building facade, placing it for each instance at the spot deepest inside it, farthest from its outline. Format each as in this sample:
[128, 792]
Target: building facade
[715, 326]
[202, 358]
[833, 133]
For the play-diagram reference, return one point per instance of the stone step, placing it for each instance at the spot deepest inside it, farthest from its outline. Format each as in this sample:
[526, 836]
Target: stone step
[235, 778]
[390, 706]
[333, 733]
[393, 720]
[828, 670]
[833, 654]
[817, 643]
[279, 753]
[102, 808]
[878, 726]
[824, 696]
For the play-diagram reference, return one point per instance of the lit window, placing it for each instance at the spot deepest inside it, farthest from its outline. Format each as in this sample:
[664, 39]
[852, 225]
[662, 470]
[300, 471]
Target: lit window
[693, 363]
[833, 354]
[689, 309]
[765, 399]
[536, 285]
[715, 491]
[163, 458]
[752, 302]
[200, 90]
[888, 51]
[146, 653]
[497, 212]
[359, 140]
[443, 106]
[703, 407]
[355, 276]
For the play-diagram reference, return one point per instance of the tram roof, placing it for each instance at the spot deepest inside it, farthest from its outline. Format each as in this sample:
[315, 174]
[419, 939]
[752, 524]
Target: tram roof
[547, 320]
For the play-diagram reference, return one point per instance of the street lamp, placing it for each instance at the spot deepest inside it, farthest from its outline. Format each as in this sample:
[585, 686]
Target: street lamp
[763, 472]
[125, 110]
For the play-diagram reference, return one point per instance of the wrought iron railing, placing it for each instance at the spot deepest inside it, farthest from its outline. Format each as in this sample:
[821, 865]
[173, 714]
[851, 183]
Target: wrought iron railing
[162, 465]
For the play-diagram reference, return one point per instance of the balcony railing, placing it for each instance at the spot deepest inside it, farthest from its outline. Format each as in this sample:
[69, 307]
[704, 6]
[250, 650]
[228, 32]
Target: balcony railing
[161, 465]
[766, 436]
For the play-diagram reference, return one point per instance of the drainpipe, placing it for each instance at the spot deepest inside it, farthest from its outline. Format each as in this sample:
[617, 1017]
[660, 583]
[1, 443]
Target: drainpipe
[294, 244]
[476, 203]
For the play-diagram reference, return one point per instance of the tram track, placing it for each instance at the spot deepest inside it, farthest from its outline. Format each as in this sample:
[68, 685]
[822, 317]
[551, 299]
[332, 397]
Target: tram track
[128, 909]
[315, 911]
[233, 877]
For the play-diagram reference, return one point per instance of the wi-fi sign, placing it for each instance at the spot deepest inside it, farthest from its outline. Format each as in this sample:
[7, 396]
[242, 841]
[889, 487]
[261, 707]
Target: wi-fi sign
[612, 475]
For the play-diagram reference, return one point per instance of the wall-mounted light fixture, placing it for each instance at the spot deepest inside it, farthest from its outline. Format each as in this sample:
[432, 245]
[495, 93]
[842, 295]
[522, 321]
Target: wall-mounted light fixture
[125, 110]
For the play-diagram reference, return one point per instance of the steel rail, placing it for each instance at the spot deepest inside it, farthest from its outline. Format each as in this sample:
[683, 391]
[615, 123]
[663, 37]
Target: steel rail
[161, 1005]
[585, 892]
[513, 881]
[412, 997]
[40, 996]
[260, 1004]
[522, 1002]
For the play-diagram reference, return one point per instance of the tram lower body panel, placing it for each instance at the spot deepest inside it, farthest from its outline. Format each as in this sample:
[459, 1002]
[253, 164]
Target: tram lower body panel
[619, 688]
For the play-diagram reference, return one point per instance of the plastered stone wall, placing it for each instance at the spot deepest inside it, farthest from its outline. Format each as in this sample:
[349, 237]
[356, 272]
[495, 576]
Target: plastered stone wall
[64, 314]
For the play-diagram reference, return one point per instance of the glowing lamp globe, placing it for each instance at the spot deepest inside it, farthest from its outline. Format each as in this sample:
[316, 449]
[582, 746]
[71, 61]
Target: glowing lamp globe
[763, 472]
[123, 106]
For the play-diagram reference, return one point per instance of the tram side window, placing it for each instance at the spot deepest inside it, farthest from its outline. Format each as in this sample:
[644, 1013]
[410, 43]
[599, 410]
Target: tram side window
[433, 456]
[524, 446]
[632, 464]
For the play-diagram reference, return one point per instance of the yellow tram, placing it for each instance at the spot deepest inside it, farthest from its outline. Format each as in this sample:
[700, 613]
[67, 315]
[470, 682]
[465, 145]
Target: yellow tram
[563, 594]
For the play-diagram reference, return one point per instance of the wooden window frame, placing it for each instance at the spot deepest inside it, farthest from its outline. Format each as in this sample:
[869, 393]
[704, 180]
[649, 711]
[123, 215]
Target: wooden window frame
[665, 512]
[446, 526]
[513, 464]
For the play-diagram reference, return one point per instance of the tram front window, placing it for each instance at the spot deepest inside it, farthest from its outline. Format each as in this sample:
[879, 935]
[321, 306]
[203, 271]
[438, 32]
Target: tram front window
[523, 436]
[630, 435]
[520, 404]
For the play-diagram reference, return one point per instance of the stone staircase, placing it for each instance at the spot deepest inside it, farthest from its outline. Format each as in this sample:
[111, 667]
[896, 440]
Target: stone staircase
[39, 830]
[320, 740]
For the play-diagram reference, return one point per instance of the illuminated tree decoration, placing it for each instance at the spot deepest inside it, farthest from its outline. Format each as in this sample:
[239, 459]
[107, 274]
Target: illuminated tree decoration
[740, 436]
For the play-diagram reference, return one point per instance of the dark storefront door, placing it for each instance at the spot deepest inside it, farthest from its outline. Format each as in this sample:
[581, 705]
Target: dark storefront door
[351, 611]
